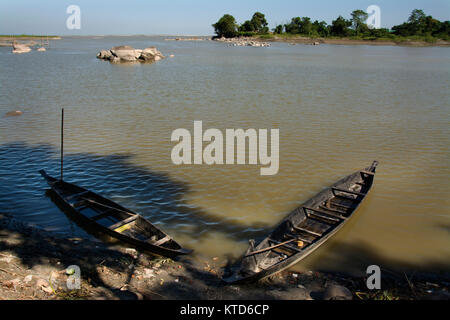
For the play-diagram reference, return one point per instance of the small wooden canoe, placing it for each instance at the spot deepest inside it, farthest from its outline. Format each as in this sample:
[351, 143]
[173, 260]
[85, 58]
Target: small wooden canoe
[116, 221]
[305, 229]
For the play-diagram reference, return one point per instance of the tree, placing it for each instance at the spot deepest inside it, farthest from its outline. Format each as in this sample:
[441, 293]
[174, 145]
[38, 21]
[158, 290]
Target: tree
[306, 26]
[278, 29]
[359, 18]
[320, 28]
[339, 27]
[259, 23]
[300, 25]
[247, 26]
[294, 26]
[417, 16]
[226, 27]
[421, 24]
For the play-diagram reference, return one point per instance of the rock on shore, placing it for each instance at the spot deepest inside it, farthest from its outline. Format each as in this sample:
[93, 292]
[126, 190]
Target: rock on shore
[129, 54]
[243, 42]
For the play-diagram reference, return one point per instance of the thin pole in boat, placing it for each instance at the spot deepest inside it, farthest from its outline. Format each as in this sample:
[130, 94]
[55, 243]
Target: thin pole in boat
[62, 142]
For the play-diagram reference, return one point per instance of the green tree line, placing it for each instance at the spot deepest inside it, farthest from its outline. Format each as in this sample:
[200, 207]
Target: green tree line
[419, 25]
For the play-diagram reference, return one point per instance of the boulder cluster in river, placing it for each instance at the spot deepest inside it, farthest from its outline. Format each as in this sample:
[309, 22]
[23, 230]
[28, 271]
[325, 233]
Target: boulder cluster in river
[20, 48]
[24, 48]
[243, 42]
[130, 54]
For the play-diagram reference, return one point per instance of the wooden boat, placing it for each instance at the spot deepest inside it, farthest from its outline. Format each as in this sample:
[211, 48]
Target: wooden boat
[113, 219]
[110, 218]
[305, 229]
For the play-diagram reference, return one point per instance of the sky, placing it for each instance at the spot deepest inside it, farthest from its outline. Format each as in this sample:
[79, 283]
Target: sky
[189, 17]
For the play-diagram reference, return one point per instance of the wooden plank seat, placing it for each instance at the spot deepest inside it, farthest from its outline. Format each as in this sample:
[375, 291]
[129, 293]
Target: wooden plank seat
[102, 215]
[79, 204]
[296, 237]
[284, 245]
[161, 241]
[326, 215]
[320, 219]
[334, 189]
[341, 196]
[308, 231]
[342, 206]
[277, 244]
[76, 195]
[366, 174]
[340, 213]
[123, 222]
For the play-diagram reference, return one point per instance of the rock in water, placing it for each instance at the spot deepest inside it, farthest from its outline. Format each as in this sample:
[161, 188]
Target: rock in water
[104, 54]
[20, 48]
[130, 54]
[41, 49]
[14, 113]
[335, 292]
[126, 53]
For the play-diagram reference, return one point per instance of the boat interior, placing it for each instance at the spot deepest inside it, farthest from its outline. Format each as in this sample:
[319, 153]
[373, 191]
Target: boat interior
[311, 222]
[112, 216]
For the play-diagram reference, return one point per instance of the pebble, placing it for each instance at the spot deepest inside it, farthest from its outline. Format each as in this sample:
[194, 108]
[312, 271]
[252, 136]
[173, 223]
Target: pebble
[14, 113]
[336, 292]
[41, 283]
[148, 273]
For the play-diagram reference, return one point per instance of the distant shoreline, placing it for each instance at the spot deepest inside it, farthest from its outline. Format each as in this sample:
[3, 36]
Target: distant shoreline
[347, 41]
[28, 40]
[28, 37]
[32, 40]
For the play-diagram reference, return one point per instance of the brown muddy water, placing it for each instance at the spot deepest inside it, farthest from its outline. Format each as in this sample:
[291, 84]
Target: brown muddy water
[338, 108]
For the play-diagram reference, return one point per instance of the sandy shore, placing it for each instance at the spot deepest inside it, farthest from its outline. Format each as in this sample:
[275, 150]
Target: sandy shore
[33, 265]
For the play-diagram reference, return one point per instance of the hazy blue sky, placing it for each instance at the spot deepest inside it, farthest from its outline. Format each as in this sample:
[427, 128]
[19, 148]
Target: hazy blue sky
[193, 17]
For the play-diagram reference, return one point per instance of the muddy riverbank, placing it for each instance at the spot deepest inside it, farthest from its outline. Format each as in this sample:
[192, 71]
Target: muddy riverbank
[34, 266]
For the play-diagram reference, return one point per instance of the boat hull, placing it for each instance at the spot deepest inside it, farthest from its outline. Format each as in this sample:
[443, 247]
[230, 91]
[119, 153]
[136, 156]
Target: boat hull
[57, 186]
[249, 270]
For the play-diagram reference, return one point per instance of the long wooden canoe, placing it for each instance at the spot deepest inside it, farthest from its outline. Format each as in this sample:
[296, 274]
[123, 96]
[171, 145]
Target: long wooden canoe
[116, 221]
[305, 229]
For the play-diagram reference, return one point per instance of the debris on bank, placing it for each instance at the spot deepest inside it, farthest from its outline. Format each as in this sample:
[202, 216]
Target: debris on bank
[35, 265]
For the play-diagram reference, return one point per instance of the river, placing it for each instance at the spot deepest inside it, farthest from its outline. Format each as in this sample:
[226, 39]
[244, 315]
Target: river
[337, 108]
